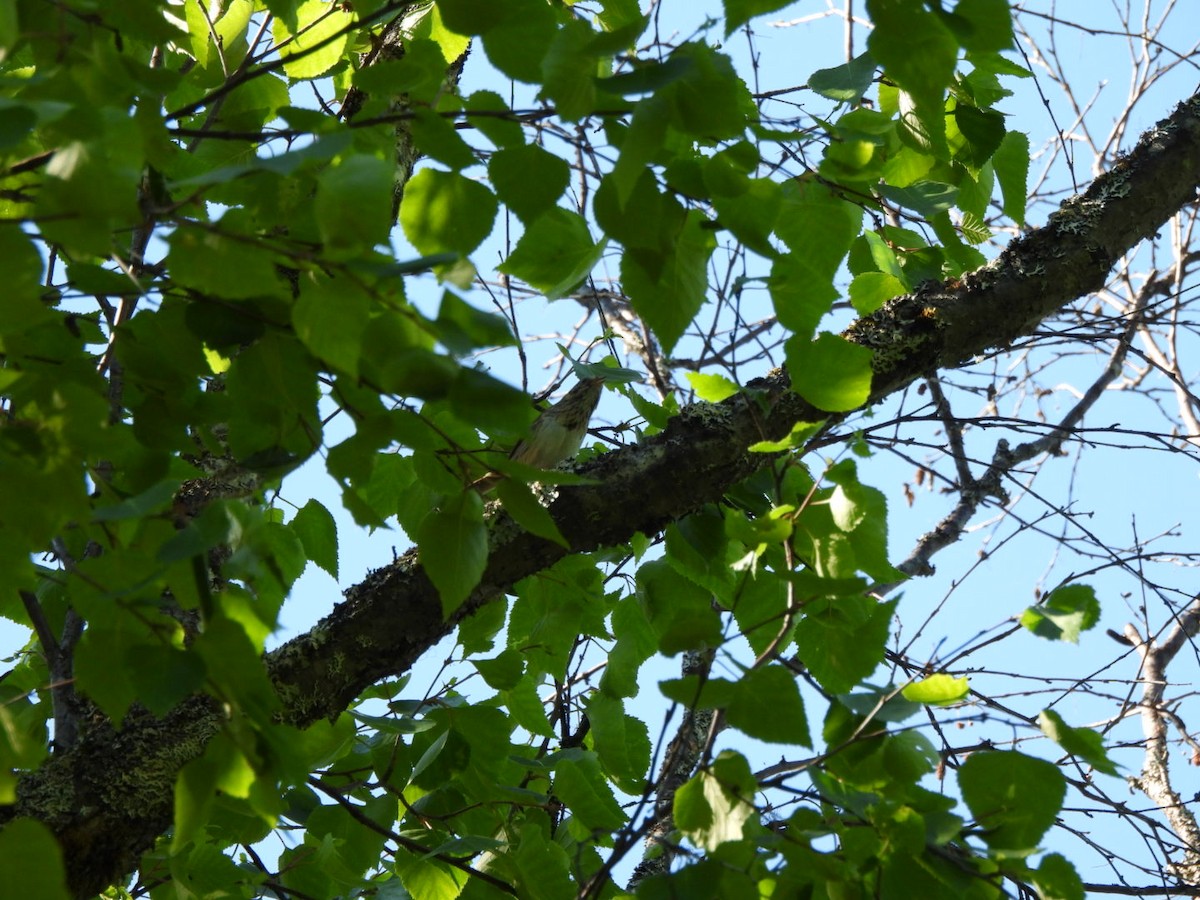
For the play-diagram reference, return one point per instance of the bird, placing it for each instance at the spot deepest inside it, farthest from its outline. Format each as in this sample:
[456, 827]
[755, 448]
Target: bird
[555, 435]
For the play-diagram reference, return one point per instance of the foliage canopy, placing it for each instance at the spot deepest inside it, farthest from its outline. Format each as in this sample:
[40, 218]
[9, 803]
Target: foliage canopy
[240, 238]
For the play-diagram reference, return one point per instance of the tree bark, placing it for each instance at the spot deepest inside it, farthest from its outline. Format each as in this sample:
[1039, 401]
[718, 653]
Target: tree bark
[109, 798]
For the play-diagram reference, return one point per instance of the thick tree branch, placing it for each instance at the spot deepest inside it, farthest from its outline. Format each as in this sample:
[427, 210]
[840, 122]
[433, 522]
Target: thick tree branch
[388, 621]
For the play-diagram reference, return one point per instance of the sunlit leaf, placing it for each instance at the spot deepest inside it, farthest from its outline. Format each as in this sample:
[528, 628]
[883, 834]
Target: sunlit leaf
[830, 373]
[317, 42]
[937, 690]
[1084, 743]
[445, 211]
[1064, 614]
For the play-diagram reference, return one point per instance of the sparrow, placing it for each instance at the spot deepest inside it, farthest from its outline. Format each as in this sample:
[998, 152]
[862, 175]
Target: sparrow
[555, 435]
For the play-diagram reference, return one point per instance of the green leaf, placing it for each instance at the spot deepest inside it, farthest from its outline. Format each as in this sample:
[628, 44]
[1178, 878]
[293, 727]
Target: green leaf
[9, 29]
[883, 254]
[199, 33]
[759, 608]
[1064, 614]
[462, 328]
[713, 810]
[223, 767]
[231, 42]
[471, 17]
[354, 205]
[974, 230]
[818, 227]
[22, 304]
[164, 676]
[668, 288]
[649, 77]
[906, 167]
[420, 73]
[1013, 797]
[233, 658]
[937, 690]
[518, 45]
[580, 784]
[555, 254]
[639, 143]
[800, 434]
[846, 83]
[959, 257]
[443, 211]
[751, 215]
[695, 692]
[434, 27]
[318, 41]
[636, 641]
[831, 373]
[553, 610]
[16, 124]
[698, 548]
[543, 867]
[982, 26]
[861, 510]
[870, 290]
[520, 503]
[712, 388]
[315, 527]
[95, 279]
[927, 198]
[919, 52]
[102, 670]
[680, 611]
[489, 403]
[622, 743]
[438, 139]
[766, 705]
[24, 738]
[646, 218]
[323, 149]
[1056, 879]
[155, 498]
[569, 71]
[32, 861]
[503, 671]
[708, 99]
[620, 14]
[528, 179]
[1011, 162]
[842, 640]
[272, 393]
[1081, 742]
[748, 207]
[980, 130]
[330, 318]
[453, 548]
[526, 708]
[502, 129]
[222, 266]
[739, 12]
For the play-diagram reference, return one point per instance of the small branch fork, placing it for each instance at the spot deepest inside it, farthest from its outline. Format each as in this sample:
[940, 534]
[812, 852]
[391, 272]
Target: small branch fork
[974, 490]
